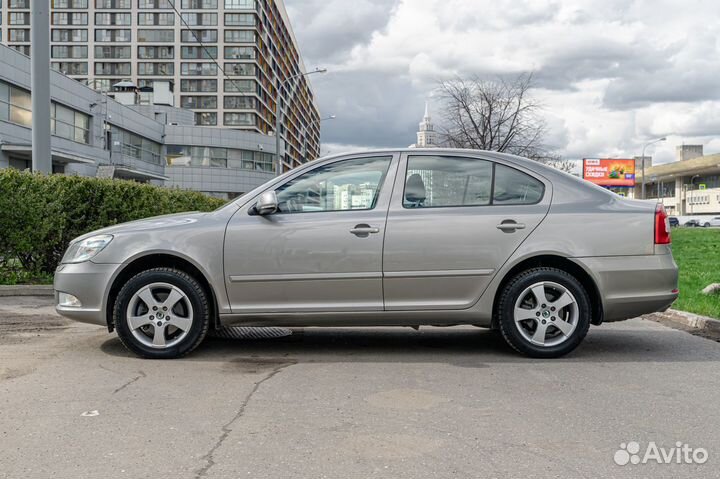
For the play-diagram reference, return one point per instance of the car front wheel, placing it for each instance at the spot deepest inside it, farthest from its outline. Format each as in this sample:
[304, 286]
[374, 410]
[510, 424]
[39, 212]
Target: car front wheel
[707, 225]
[544, 312]
[162, 313]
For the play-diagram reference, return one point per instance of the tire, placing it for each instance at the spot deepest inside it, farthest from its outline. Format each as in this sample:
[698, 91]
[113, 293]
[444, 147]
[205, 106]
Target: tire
[162, 313]
[707, 225]
[550, 327]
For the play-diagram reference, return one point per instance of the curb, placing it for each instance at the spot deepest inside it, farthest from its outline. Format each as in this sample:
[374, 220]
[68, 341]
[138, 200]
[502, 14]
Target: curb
[27, 290]
[707, 327]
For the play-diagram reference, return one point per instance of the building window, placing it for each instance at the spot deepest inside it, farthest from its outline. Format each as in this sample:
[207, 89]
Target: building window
[181, 155]
[151, 36]
[69, 35]
[240, 86]
[239, 53]
[71, 68]
[239, 119]
[240, 69]
[195, 36]
[239, 20]
[19, 34]
[113, 19]
[66, 51]
[206, 118]
[154, 4]
[239, 36]
[65, 18]
[160, 69]
[78, 4]
[70, 124]
[15, 105]
[200, 4]
[162, 19]
[199, 102]
[200, 19]
[239, 4]
[134, 146]
[24, 49]
[108, 68]
[204, 86]
[113, 4]
[198, 52]
[19, 18]
[198, 69]
[239, 102]
[19, 3]
[156, 53]
[121, 35]
[114, 52]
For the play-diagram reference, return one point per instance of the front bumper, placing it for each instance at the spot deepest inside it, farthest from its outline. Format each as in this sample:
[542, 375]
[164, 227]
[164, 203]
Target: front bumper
[631, 286]
[89, 282]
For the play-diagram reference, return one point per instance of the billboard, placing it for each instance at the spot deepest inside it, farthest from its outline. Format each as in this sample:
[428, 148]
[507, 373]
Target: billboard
[609, 172]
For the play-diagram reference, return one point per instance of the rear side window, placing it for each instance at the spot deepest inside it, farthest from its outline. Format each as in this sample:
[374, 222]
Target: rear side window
[513, 187]
[442, 181]
[450, 181]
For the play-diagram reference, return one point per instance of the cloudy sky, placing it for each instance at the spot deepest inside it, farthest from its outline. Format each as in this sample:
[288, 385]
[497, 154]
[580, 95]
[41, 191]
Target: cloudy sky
[610, 73]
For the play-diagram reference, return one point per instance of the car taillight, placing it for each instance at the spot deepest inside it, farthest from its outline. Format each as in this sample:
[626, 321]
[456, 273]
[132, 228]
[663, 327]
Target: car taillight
[662, 226]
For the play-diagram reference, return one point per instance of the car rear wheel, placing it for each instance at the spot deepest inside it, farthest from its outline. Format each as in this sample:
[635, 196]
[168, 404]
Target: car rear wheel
[707, 225]
[544, 312]
[162, 313]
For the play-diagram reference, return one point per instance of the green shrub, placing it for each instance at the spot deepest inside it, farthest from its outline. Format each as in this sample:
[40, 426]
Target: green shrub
[41, 214]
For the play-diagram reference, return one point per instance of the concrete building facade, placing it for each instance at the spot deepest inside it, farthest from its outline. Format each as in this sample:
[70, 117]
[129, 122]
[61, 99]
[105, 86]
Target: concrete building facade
[93, 135]
[226, 60]
[689, 186]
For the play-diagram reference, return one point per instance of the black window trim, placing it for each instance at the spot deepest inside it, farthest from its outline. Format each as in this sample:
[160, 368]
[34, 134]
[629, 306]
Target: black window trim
[491, 202]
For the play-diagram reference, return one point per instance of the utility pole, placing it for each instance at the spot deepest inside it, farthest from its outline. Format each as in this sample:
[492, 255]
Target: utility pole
[40, 81]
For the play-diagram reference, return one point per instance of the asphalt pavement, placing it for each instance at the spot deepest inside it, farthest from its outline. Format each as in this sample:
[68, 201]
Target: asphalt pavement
[346, 403]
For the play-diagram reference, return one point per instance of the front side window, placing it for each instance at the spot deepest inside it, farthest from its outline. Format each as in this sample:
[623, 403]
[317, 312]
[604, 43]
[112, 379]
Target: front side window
[341, 186]
[440, 181]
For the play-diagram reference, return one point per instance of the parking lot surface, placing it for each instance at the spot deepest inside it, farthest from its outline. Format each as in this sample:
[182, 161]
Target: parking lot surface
[341, 403]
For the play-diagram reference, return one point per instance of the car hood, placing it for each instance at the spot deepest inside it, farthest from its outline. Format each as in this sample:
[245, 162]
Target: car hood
[154, 223]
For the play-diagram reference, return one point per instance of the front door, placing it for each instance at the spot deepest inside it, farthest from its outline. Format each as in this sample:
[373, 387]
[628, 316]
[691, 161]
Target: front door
[322, 250]
[453, 222]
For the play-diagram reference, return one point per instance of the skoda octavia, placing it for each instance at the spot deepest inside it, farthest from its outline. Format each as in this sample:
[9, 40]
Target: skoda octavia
[386, 238]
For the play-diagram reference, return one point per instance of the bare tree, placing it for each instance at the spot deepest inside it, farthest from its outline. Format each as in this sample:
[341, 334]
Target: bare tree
[556, 161]
[497, 115]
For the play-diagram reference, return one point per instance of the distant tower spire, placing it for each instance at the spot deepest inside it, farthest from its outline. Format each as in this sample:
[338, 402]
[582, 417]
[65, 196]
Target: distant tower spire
[426, 135]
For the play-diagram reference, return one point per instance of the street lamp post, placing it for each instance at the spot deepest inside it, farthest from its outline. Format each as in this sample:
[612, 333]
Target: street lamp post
[316, 122]
[642, 162]
[279, 114]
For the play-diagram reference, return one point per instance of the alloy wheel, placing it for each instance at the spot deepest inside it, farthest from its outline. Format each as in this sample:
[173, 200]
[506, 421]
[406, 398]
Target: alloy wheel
[159, 315]
[546, 314]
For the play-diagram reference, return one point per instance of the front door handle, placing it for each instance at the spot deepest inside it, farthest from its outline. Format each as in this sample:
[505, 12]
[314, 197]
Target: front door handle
[363, 230]
[510, 226]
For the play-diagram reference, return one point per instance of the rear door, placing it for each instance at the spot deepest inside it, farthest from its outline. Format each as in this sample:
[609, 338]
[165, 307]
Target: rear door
[453, 222]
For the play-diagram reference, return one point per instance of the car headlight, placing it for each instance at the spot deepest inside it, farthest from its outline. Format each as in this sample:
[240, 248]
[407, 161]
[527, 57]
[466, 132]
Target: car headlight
[86, 249]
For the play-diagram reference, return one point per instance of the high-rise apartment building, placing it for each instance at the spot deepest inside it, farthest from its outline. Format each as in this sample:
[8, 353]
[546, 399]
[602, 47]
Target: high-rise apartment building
[226, 59]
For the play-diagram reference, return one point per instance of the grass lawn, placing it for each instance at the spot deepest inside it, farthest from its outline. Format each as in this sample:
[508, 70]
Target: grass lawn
[697, 253]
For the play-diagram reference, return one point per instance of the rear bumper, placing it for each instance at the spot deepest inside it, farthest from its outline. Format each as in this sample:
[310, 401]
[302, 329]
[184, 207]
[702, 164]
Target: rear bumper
[631, 286]
[88, 282]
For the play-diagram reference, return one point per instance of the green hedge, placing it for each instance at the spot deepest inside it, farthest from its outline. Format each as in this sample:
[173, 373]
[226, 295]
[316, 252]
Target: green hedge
[40, 214]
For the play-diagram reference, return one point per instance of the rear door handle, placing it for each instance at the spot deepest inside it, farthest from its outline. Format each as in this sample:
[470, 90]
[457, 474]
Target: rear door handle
[510, 225]
[363, 230]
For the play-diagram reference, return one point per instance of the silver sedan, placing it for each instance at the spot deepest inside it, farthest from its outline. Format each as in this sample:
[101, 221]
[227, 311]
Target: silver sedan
[385, 238]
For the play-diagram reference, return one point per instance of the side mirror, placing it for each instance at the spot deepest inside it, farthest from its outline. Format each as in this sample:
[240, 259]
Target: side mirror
[267, 204]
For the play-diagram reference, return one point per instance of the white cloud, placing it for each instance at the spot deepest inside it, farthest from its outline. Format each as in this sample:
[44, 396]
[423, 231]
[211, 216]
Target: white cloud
[612, 74]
